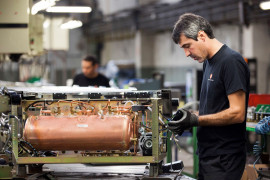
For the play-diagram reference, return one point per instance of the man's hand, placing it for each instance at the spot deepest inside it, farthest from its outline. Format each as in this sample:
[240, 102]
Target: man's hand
[181, 121]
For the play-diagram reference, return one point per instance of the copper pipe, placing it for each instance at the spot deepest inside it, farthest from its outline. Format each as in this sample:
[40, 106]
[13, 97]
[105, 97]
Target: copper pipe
[146, 118]
[134, 134]
[79, 132]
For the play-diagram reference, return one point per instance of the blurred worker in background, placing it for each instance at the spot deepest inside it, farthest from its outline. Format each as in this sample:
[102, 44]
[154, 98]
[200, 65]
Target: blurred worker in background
[90, 75]
[223, 101]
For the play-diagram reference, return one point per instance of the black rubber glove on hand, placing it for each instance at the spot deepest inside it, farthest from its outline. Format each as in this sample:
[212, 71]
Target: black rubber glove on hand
[182, 120]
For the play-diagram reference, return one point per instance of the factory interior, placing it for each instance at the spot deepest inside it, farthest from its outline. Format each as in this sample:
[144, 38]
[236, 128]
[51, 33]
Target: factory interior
[102, 89]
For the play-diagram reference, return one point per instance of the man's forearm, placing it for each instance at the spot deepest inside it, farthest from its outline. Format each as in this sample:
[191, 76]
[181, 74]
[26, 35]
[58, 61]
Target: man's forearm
[223, 118]
[233, 115]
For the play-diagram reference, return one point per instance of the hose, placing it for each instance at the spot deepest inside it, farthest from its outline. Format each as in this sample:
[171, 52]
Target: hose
[187, 105]
[30, 145]
[257, 151]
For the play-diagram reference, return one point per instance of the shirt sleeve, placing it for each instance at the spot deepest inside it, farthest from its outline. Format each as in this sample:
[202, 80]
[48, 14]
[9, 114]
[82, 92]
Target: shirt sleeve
[235, 75]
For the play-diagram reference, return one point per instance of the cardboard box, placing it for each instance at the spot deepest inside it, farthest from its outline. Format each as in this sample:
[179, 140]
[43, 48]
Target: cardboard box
[251, 172]
[244, 176]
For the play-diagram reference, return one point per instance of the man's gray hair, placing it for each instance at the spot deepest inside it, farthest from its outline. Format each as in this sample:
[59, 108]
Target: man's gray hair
[189, 25]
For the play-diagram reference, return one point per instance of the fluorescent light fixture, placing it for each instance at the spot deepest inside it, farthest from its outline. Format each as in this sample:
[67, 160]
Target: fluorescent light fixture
[72, 24]
[265, 5]
[42, 5]
[69, 9]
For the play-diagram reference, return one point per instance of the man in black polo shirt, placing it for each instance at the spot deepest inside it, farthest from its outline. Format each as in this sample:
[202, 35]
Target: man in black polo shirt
[90, 75]
[223, 101]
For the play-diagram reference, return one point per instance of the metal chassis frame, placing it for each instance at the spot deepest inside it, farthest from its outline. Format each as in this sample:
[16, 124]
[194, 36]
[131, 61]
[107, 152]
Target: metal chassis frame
[155, 160]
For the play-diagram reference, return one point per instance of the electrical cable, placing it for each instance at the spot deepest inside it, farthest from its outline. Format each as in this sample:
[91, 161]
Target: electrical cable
[30, 145]
[46, 101]
[257, 151]
[168, 119]
[146, 126]
[190, 104]
[143, 118]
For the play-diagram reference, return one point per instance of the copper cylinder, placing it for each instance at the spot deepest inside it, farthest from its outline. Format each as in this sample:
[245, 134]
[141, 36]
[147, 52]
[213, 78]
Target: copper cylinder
[79, 132]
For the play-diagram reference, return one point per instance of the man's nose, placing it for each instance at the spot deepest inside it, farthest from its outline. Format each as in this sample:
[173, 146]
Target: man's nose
[187, 52]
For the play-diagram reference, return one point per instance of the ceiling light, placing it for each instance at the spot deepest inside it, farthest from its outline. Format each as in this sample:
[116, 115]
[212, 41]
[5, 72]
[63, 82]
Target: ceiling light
[72, 24]
[265, 5]
[69, 9]
[42, 5]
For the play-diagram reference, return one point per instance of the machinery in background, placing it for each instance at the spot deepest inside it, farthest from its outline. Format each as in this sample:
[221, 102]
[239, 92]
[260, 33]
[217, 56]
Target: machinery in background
[81, 125]
[258, 114]
[21, 35]
[258, 107]
[20, 32]
[14, 30]
[255, 114]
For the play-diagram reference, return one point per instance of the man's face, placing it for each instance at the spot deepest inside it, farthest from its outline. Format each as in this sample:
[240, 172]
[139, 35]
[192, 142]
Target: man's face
[88, 68]
[194, 49]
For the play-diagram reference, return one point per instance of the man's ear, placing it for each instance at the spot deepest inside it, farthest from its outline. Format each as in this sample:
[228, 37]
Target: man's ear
[202, 36]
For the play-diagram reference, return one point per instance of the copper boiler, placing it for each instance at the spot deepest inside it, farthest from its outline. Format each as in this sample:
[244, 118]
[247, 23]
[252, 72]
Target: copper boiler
[112, 132]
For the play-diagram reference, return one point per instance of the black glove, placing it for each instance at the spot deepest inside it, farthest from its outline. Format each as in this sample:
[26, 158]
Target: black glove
[181, 121]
